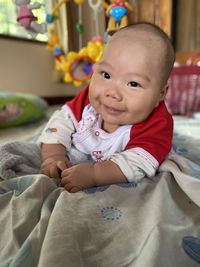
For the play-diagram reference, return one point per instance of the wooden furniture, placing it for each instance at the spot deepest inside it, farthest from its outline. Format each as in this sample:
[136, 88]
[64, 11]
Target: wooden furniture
[183, 57]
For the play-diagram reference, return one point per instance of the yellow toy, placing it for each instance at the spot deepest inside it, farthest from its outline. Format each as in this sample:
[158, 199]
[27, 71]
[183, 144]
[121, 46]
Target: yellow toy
[117, 12]
[54, 42]
[79, 2]
[77, 67]
[53, 39]
[51, 17]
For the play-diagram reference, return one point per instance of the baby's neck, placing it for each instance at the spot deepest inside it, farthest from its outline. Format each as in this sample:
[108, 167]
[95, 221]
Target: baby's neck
[109, 128]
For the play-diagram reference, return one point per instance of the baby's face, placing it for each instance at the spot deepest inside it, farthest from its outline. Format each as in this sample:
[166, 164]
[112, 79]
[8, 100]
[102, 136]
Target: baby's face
[126, 84]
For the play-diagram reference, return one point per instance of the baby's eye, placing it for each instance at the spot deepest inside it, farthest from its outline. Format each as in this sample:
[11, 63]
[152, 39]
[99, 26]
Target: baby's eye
[134, 84]
[105, 75]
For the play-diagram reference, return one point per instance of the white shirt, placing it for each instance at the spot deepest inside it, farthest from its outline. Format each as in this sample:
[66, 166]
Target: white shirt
[88, 137]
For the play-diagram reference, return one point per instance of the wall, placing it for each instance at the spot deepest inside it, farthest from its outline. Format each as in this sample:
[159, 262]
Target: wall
[28, 67]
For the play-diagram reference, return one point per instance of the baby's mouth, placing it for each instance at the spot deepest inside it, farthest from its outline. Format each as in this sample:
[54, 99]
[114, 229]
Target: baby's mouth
[112, 110]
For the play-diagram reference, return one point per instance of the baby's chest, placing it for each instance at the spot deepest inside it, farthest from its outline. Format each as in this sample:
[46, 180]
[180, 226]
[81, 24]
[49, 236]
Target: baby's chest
[91, 139]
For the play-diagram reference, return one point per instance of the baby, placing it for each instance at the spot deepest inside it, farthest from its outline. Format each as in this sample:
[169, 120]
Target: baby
[120, 120]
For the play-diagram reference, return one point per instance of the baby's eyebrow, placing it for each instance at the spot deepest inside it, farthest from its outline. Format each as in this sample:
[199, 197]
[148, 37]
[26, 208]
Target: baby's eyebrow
[106, 64]
[139, 75]
[103, 63]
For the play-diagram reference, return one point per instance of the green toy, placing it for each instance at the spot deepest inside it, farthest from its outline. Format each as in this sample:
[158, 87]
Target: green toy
[20, 108]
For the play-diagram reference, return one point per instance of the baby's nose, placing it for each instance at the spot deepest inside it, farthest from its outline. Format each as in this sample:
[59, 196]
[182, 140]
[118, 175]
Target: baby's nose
[114, 92]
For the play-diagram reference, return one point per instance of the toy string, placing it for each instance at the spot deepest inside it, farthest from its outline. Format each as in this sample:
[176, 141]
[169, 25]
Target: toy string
[95, 6]
[96, 18]
[80, 22]
[56, 8]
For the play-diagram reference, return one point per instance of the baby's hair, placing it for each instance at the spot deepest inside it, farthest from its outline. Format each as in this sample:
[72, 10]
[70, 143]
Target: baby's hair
[157, 32]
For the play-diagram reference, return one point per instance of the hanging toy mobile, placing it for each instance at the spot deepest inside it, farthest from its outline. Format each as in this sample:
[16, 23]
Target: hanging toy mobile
[53, 39]
[117, 12]
[96, 6]
[26, 18]
[50, 18]
[79, 25]
[77, 67]
[54, 44]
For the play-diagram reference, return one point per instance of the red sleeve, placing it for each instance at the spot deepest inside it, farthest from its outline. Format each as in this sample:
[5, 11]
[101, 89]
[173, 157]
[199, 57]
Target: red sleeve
[154, 134]
[78, 103]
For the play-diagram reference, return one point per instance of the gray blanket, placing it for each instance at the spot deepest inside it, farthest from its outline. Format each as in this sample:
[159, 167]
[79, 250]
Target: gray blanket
[19, 158]
[155, 223]
[23, 158]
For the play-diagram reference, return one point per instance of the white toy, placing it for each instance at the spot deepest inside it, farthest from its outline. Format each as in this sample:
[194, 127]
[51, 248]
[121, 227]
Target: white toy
[27, 19]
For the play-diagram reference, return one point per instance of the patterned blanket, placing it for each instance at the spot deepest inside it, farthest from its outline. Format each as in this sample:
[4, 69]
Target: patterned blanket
[154, 223]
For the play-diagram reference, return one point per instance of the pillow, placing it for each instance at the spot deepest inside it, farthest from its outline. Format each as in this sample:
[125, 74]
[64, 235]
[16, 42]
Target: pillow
[20, 108]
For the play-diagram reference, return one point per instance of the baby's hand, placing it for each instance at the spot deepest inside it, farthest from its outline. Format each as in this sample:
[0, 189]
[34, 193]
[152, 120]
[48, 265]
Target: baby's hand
[53, 166]
[78, 177]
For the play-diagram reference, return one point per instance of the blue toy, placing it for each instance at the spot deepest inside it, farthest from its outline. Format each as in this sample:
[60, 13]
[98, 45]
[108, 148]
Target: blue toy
[117, 12]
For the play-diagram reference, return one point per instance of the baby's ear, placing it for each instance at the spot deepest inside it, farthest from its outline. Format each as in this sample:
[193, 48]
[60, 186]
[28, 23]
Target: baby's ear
[163, 92]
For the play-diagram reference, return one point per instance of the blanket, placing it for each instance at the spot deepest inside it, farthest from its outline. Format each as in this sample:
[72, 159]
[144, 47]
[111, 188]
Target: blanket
[154, 223]
[19, 158]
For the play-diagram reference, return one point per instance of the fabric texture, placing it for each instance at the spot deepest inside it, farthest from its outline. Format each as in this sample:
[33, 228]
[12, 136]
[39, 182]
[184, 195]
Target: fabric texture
[19, 158]
[151, 223]
[23, 158]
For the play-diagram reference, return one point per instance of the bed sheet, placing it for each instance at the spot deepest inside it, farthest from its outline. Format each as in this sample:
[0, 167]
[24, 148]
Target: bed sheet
[186, 140]
[154, 223]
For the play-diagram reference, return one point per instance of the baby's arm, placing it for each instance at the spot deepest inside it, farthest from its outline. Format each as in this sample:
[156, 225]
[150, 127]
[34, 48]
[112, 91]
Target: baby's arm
[87, 175]
[54, 160]
[55, 140]
[123, 167]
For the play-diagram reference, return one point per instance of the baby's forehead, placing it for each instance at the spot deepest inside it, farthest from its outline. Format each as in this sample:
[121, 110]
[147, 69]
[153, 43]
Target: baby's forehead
[146, 41]
[145, 37]
[145, 44]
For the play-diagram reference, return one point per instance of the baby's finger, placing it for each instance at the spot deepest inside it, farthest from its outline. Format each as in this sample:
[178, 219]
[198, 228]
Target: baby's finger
[61, 165]
[67, 186]
[65, 173]
[54, 172]
[75, 189]
[72, 188]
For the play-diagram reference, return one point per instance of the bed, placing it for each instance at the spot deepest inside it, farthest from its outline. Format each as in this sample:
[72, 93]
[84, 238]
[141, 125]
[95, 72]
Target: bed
[153, 223]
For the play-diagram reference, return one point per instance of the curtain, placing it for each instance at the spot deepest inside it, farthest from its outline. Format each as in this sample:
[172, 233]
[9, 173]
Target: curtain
[187, 36]
[156, 11]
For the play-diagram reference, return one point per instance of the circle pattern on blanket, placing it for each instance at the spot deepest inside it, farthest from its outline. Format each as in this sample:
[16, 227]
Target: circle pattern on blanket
[93, 190]
[128, 185]
[111, 213]
[191, 246]
[180, 150]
